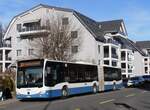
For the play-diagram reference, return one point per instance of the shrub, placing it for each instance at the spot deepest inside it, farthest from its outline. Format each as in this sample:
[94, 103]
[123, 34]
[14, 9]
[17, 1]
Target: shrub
[8, 83]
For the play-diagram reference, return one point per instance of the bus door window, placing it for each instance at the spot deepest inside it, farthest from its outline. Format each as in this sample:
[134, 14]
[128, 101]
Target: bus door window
[50, 75]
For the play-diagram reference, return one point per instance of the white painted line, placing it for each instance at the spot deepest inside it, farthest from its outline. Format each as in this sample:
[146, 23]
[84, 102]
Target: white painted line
[77, 109]
[103, 102]
[144, 91]
[130, 95]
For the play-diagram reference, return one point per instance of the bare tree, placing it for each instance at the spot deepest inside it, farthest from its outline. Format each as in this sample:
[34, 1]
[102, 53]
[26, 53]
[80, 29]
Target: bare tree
[56, 42]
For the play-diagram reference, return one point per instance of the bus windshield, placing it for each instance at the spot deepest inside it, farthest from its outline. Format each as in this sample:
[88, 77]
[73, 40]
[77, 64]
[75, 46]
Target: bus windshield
[30, 77]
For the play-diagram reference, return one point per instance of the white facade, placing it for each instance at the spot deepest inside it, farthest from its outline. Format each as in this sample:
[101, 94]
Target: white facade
[127, 65]
[90, 50]
[5, 60]
[21, 46]
[138, 63]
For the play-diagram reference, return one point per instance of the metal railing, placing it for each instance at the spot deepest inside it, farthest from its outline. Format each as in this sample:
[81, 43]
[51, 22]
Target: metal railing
[106, 55]
[6, 45]
[8, 58]
[123, 58]
[32, 28]
[123, 70]
[129, 71]
[114, 56]
[112, 42]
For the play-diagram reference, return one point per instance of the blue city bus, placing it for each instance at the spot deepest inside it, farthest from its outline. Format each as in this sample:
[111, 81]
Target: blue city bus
[43, 78]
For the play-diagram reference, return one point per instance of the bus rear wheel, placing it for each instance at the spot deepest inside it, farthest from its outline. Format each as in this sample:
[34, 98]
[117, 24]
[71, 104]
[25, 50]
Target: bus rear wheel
[65, 92]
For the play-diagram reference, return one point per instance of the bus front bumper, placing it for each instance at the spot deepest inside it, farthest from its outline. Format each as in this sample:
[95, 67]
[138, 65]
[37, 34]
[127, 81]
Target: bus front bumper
[45, 94]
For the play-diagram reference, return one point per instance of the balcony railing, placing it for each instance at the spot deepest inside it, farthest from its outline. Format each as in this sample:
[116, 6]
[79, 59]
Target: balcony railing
[112, 42]
[123, 70]
[8, 58]
[129, 71]
[106, 55]
[114, 56]
[6, 45]
[123, 58]
[32, 28]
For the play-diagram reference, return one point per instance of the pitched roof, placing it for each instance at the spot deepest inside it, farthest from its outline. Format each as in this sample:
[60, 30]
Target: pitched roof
[91, 25]
[128, 44]
[111, 26]
[136, 47]
[143, 44]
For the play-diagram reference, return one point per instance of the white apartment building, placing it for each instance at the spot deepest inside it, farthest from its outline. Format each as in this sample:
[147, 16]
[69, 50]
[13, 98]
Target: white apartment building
[5, 60]
[20, 28]
[145, 47]
[103, 43]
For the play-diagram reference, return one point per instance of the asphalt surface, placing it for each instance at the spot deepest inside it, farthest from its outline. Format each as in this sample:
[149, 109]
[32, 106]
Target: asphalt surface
[124, 99]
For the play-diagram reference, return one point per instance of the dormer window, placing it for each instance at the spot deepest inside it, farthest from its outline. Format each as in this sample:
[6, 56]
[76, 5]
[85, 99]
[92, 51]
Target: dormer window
[19, 27]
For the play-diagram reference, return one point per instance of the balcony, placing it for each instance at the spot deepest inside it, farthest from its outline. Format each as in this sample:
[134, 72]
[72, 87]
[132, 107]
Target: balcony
[130, 71]
[123, 70]
[106, 55]
[8, 58]
[114, 56]
[123, 58]
[6, 45]
[112, 42]
[33, 30]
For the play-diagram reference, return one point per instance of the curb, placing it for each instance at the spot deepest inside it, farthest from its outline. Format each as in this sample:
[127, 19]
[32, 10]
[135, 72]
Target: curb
[9, 101]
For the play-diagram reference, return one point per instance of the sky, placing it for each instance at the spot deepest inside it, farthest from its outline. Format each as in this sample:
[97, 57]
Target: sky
[135, 13]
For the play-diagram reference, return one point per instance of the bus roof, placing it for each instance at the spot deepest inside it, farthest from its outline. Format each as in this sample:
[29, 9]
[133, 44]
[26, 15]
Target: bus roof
[83, 63]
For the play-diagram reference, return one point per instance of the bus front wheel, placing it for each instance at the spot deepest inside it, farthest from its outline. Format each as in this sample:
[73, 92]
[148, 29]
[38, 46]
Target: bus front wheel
[64, 92]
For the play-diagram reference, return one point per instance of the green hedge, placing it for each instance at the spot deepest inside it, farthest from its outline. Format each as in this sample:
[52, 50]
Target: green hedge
[8, 83]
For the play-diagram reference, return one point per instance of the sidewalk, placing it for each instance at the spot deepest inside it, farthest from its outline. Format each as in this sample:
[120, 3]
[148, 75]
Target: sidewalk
[9, 101]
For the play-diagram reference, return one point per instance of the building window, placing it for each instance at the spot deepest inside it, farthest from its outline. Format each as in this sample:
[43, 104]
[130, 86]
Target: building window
[146, 69]
[99, 62]
[123, 65]
[106, 51]
[114, 53]
[114, 63]
[106, 62]
[148, 51]
[19, 52]
[65, 21]
[30, 51]
[145, 59]
[99, 49]
[74, 34]
[74, 49]
[123, 55]
[19, 27]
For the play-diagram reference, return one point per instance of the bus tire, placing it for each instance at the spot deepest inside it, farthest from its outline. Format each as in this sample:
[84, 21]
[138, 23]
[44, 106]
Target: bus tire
[65, 92]
[95, 89]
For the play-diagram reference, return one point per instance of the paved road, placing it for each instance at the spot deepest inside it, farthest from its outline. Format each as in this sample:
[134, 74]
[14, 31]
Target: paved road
[124, 99]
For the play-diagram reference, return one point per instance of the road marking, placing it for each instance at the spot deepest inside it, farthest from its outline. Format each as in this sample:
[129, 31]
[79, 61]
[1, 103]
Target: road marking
[77, 109]
[2, 106]
[130, 95]
[144, 91]
[103, 102]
